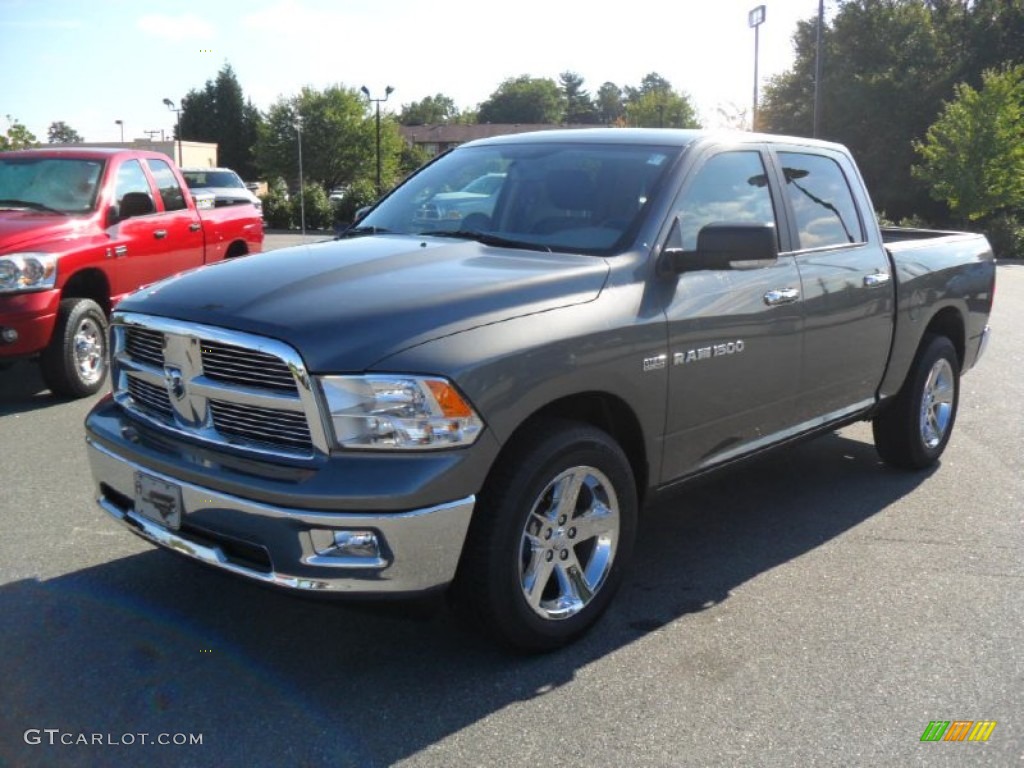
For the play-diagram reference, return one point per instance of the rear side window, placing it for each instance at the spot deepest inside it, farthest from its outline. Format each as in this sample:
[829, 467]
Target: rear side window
[822, 202]
[167, 183]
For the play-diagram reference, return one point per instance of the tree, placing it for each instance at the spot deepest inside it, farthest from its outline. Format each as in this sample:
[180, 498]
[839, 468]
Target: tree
[220, 113]
[973, 155]
[610, 107]
[338, 139]
[432, 110]
[17, 136]
[60, 132]
[655, 105]
[579, 107]
[523, 99]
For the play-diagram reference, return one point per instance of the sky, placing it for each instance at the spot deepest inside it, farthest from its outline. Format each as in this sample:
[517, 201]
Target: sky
[91, 62]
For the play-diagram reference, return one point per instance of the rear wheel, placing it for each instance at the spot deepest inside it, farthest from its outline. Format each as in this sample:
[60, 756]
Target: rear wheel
[75, 362]
[913, 431]
[551, 538]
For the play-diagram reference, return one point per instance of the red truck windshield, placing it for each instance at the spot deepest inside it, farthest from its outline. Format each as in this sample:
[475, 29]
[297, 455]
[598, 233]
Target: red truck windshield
[65, 185]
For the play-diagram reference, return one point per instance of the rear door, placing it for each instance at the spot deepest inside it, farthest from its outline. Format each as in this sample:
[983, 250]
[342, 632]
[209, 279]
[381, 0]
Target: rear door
[735, 335]
[846, 282]
[180, 229]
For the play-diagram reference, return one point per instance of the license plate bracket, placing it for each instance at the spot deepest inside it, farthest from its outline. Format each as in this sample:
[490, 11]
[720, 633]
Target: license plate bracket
[158, 500]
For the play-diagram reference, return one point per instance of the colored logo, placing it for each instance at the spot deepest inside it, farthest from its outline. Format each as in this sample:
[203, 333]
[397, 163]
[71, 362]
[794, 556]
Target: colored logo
[958, 730]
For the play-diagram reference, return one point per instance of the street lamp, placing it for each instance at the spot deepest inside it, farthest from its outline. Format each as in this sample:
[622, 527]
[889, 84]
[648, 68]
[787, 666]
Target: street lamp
[817, 70]
[120, 123]
[387, 92]
[755, 19]
[177, 130]
[302, 187]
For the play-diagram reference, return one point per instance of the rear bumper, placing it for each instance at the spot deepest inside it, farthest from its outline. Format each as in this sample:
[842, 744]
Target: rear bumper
[288, 547]
[32, 317]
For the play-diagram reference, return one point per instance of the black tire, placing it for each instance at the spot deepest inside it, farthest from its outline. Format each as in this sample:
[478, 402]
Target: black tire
[578, 566]
[914, 429]
[75, 362]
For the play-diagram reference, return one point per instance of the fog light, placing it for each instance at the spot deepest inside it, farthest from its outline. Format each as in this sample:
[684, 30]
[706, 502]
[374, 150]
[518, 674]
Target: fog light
[9, 335]
[347, 549]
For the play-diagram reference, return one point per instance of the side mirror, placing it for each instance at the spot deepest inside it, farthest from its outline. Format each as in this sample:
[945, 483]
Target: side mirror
[722, 246]
[360, 212]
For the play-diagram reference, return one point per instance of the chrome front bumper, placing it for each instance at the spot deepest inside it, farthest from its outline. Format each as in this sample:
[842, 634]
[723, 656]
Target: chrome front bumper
[419, 549]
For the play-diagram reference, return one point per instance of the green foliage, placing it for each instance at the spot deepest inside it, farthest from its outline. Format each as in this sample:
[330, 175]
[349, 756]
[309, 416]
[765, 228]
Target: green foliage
[610, 106]
[433, 110]
[16, 137]
[579, 107]
[319, 210]
[358, 195]
[413, 156]
[220, 114]
[1005, 233]
[60, 132]
[277, 209]
[523, 99]
[655, 105]
[338, 139]
[973, 155]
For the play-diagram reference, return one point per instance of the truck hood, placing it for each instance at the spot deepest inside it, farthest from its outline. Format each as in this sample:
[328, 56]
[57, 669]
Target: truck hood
[347, 304]
[22, 229]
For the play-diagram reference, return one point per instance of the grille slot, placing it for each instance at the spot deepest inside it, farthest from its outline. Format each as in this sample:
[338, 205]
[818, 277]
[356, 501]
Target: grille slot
[151, 399]
[246, 367]
[145, 345]
[268, 426]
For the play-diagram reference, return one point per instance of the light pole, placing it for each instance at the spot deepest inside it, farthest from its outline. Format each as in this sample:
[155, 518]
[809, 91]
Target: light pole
[177, 129]
[817, 69]
[302, 187]
[387, 92]
[120, 123]
[755, 19]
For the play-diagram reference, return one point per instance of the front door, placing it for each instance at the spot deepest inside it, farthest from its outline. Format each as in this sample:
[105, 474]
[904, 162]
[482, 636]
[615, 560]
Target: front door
[735, 334]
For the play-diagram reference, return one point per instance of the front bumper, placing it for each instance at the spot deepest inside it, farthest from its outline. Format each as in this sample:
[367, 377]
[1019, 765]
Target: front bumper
[31, 316]
[419, 549]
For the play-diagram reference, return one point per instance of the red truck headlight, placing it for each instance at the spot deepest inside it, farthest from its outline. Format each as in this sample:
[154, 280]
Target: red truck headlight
[27, 272]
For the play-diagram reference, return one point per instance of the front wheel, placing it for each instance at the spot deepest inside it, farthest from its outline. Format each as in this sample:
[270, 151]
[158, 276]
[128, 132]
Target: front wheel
[551, 537]
[75, 362]
[913, 431]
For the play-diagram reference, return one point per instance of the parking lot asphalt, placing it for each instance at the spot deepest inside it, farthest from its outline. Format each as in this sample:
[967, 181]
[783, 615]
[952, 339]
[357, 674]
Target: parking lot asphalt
[810, 608]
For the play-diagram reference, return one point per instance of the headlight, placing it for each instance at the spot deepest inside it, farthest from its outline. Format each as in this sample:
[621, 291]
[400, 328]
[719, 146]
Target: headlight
[27, 272]
[398, 412]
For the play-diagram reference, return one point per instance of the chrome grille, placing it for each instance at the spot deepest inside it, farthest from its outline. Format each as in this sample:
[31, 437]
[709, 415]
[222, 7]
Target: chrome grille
[216, 386]
[245, 367]
[260, 425]
[145, 345]
[151, 399]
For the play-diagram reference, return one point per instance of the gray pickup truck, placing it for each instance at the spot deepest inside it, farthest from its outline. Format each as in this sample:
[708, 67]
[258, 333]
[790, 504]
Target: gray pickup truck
[485, 400]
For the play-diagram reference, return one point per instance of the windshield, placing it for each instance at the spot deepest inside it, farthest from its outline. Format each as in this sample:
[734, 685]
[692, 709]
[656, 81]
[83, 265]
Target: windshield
[63, 185]
[584, 198]
[200, 179]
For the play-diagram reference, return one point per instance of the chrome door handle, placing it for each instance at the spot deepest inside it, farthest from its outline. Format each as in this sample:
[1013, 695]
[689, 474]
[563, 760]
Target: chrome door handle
[160, 234]
[194, 226]
[781, 296]
[878, 278]
[120, 250]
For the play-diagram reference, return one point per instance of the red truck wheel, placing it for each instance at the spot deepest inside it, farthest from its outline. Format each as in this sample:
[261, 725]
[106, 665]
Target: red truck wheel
[75, 362]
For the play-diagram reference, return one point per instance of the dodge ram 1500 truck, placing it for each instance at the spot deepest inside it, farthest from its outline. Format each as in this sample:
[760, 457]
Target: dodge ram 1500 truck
[79, 229]
[484, 401]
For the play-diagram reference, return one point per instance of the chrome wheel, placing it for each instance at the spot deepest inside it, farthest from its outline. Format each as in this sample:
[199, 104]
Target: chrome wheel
[88, 351]
[568, 543]
[937, 403]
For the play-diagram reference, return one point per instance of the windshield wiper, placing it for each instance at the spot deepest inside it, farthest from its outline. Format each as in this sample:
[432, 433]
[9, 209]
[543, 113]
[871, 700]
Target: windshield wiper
[487, 238]
[359, 231]
[13, 203]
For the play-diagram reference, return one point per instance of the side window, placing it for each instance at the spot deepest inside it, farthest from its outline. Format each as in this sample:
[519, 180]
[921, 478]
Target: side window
[130, 178]
[821, 200]
[729, 188]
[167, 183]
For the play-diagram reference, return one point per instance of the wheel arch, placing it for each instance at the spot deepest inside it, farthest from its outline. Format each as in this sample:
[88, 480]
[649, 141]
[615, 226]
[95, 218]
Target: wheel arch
[237, 248]
[88, 284]
[950, 323]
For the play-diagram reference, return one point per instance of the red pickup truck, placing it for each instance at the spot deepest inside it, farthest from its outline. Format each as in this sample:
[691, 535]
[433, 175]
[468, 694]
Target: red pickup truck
[81, 228]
